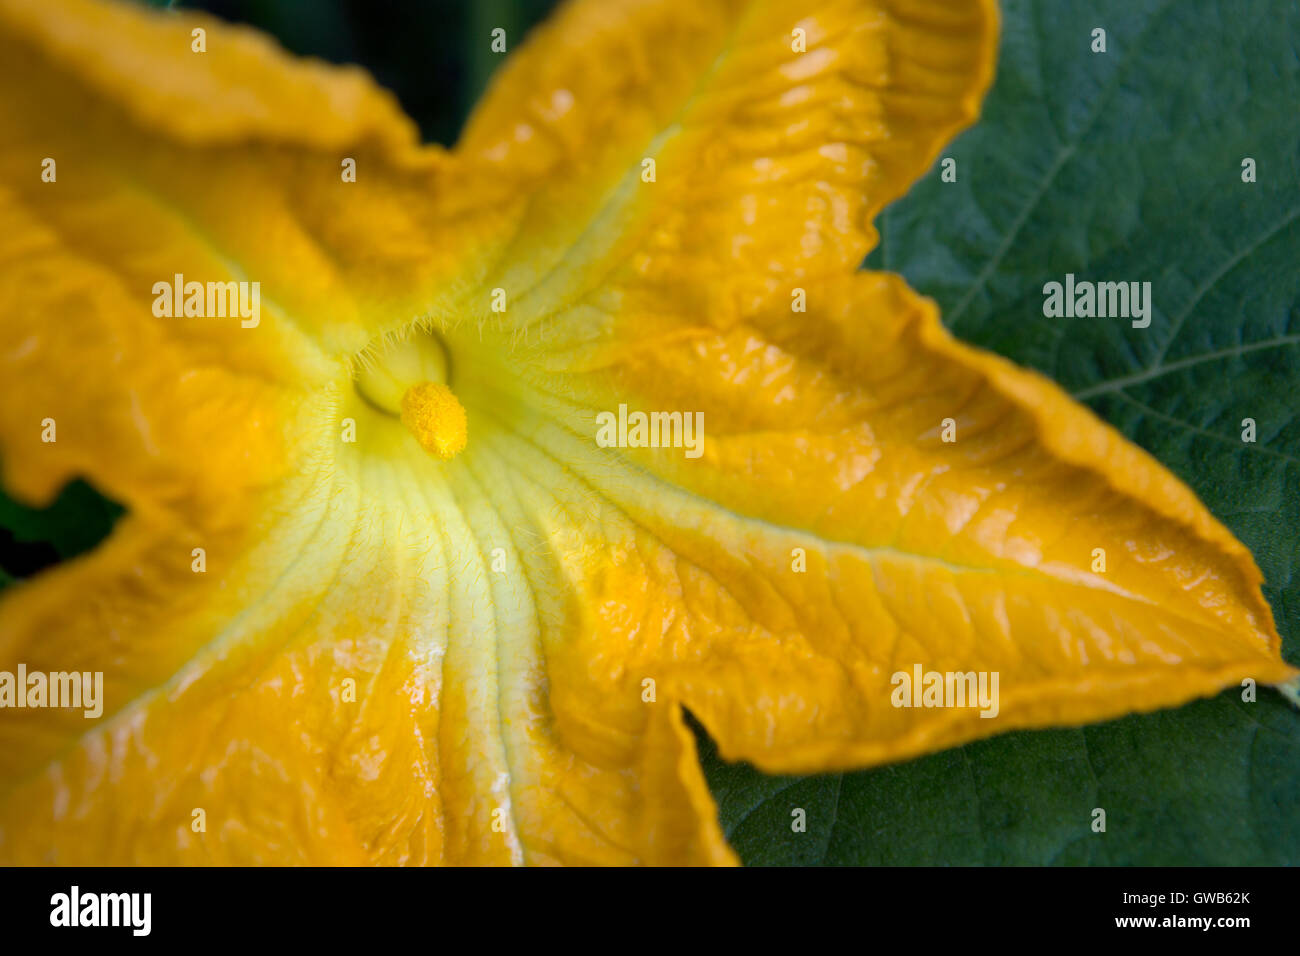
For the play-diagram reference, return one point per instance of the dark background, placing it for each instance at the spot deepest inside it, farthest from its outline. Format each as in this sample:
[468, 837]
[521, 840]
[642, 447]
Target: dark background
[434, 54]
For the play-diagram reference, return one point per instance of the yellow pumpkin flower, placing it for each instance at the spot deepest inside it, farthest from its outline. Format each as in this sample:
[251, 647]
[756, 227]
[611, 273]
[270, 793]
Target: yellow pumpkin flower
[454, 479]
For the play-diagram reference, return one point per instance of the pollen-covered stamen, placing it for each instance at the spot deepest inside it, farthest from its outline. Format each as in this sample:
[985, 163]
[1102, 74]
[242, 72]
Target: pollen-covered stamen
[436, 418]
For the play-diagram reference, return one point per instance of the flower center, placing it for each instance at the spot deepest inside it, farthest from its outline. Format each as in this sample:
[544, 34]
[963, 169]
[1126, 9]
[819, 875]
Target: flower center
[407, 378]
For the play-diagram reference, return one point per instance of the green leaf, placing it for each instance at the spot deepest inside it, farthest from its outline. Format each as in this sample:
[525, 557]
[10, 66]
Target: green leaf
[1116, 166]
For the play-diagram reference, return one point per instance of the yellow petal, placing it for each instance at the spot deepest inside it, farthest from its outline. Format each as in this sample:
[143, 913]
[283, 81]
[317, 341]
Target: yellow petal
[777, 129]
[829, 538]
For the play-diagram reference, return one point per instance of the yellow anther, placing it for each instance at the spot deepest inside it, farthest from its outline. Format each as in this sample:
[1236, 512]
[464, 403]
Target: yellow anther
[436, 418]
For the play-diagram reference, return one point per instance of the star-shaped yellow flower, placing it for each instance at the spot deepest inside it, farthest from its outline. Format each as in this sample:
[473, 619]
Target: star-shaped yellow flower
[404, 578]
